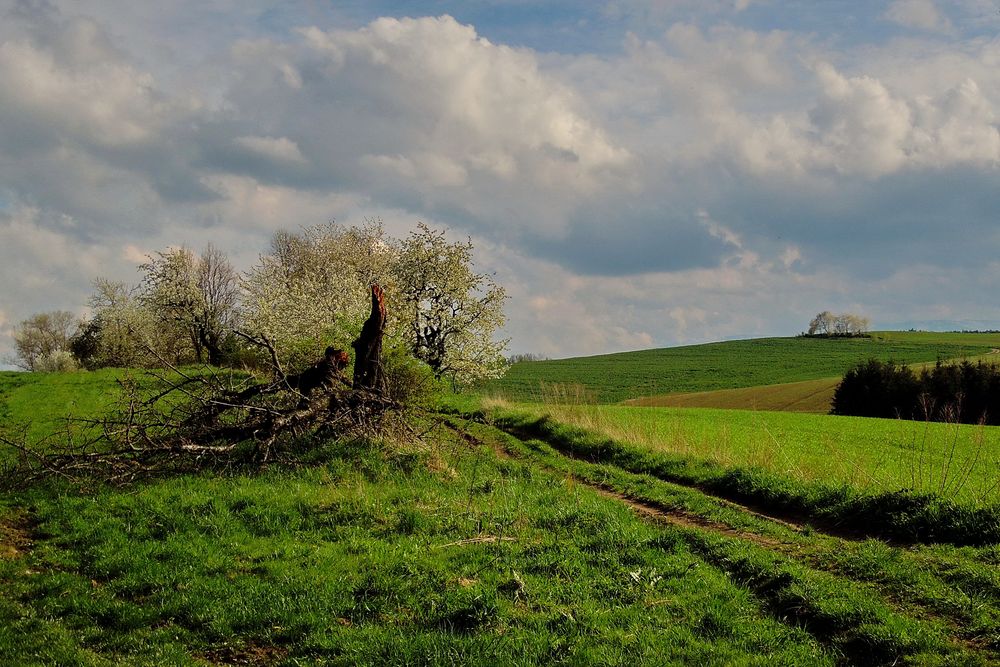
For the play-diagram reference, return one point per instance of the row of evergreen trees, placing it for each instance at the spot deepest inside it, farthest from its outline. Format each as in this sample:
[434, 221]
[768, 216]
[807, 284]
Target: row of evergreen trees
[958, 392]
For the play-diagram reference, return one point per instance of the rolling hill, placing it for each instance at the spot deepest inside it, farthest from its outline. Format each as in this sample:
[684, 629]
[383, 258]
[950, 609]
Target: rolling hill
[498, 537]
[730, 365]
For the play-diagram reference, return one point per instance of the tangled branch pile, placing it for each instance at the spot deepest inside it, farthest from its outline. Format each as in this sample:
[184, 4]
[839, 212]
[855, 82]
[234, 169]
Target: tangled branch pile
[192, 421]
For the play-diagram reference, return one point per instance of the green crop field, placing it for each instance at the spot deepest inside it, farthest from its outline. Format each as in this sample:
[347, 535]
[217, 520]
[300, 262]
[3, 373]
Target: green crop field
[811, 396]
[612, 378]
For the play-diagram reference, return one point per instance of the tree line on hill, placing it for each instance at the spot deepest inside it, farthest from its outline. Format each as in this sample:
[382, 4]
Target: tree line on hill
[846, 324]
[962, 392]
[308, 291]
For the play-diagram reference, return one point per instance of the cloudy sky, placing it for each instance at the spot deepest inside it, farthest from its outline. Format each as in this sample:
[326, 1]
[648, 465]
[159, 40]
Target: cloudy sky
[636, 173]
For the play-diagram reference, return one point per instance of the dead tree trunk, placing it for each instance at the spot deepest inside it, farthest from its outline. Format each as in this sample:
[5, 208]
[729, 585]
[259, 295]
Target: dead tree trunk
[368, 346]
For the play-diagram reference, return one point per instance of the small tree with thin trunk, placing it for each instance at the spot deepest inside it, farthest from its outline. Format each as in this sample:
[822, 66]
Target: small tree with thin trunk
[42, 341]
[451, 312]
[125, 332]
[198, 295]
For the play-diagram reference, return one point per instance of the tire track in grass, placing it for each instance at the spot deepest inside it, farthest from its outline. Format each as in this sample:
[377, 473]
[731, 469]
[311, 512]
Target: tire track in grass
[784, 574]
[790, 519]
[660, 511]
[894, 516]
[807, 548]
[924, 583]
[671, 515]
[907, 606]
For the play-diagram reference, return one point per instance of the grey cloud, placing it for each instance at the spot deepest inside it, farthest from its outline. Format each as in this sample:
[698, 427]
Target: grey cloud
[73, 107]
[826, 186]
[622, 241]
[871, 228]
[921, 14]
[440, 106]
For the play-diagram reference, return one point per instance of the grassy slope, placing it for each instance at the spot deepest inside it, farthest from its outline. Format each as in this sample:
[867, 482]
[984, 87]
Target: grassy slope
[42, 401]
[733, 364]
[363, 557]
[443, 556]
[357, 559]
[958, 462]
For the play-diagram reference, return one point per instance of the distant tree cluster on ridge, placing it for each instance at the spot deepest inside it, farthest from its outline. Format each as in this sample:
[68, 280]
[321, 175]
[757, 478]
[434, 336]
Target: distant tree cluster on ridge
[846, 324]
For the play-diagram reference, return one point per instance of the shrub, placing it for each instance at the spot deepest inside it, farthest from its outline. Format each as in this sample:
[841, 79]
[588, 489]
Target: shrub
[60, 361]
[964, 392]
[408, 381]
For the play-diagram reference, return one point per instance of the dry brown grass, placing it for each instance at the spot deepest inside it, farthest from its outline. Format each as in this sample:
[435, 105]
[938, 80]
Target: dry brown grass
[812, 396]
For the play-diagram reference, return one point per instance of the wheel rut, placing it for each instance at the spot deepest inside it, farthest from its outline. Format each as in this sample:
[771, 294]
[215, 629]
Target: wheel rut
[659, 512]
[788, 519]
[677, 517]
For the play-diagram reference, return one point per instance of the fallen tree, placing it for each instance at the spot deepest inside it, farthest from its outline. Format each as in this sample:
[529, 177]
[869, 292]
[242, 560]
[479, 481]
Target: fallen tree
[186, 421]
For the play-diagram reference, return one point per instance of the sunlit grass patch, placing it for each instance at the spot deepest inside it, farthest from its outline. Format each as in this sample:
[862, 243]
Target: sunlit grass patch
[955, 461]
[369, 558]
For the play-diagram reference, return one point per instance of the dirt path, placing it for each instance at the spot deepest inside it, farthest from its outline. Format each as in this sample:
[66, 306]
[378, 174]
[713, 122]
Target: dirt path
[677, 517]
[655, 511]
[15, 540]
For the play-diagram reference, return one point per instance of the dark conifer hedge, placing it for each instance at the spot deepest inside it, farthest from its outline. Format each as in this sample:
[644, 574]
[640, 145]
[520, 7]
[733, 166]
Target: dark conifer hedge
[960, 392]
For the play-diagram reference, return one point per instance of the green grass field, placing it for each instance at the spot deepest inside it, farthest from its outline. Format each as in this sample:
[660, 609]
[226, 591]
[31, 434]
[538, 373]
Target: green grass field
[694, 537]
[935, 582]
[956, 461]
[375, 559]
[730, 365]
[41, 402]
[451, 555]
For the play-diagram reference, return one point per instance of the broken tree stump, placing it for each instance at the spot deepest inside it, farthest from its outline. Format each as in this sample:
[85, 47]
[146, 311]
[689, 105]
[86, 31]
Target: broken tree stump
[368, 346]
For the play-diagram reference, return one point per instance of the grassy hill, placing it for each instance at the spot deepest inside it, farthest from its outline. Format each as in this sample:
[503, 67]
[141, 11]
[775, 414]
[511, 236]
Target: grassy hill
[480, 544]
[40, 402]
[611, 378]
